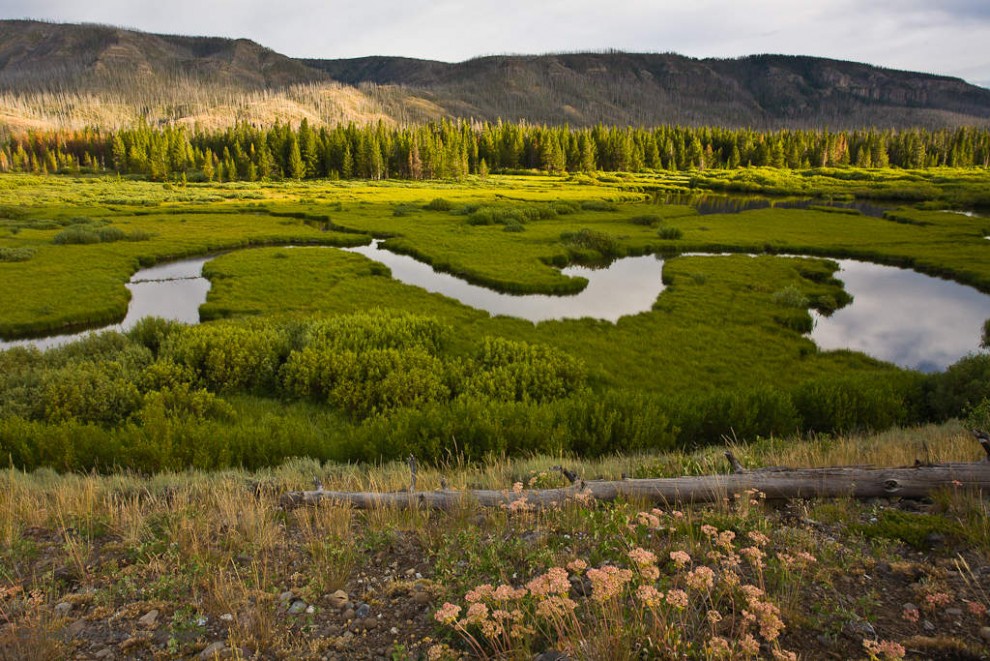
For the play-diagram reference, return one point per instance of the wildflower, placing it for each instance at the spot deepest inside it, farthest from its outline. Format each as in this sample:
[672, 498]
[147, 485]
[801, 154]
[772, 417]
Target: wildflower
[754, 555]
[709, 530]
[725, 539]
[936, 600]
[976, 608]
[608, 582]
[677, 514]
[438, 652]
[447, 613]
[702, 578]
[648, 595]
[649, 520]
[645, 563]
[517, 487]
[509, 593]
[478, 594]
[553, 582]
[886, 649]
[680, 558]
[477, 613]
[677, 598]
[577, 566]
[806, 557]
[749, 645]
[717, 648]
[911, 614]
[758, 538]
[751, 592]
[556, 607]
[784, 655]
[713, 617]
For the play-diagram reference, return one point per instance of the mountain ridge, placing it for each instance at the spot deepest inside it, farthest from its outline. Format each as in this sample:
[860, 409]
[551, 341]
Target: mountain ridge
[63, 74]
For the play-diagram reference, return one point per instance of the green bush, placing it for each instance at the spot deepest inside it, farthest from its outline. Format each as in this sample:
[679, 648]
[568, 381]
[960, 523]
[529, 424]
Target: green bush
[439, 204]
[517, 371]
[856, 403]
[89, 392]
[670, 233]
[961, 387]
[601, 243]
[16, 254]
[648, 220]
[228, 357]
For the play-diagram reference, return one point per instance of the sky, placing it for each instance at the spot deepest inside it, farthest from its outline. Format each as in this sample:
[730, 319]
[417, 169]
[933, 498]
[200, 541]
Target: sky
[950, 37]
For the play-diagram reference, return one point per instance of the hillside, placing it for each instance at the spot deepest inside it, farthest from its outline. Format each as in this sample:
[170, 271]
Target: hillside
[54, 75]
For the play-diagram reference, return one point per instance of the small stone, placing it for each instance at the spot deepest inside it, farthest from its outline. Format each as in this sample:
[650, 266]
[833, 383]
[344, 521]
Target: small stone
[394, 631]
[985, 633]
[63, 608]
[104, 653]
[953, 612]
[74, 629]
[421, 597]
[149, 619]
[370, 623]
[286, 596]
[212, 650]
[349, 614]
[363, 610]
[298, 606]
[227, 617]
[338, 599]
[410, 572]
[310, 609]
[928, 626]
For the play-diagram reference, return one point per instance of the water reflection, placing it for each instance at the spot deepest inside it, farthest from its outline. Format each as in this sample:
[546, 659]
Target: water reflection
[903, 317]
[171, 291]
[628, 286]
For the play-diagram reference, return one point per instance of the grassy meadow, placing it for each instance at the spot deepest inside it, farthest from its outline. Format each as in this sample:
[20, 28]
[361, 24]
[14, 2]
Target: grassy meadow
[139, 513]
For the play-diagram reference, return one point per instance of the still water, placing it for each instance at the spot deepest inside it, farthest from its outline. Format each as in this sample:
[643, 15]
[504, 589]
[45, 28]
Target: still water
[904, 317]
[897, 315]
[172, 291]
[627, 286]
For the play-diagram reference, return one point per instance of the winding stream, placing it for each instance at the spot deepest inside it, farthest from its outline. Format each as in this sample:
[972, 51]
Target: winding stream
[900, 316]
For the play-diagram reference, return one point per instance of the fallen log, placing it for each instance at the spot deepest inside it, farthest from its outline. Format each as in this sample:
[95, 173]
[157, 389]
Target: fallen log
[778, 483]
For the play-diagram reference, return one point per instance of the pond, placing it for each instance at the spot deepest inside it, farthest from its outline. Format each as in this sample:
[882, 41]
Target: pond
[904, 317]
[897, 315]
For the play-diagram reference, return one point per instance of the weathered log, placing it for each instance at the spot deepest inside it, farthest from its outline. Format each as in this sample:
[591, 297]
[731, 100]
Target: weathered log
[774, 484]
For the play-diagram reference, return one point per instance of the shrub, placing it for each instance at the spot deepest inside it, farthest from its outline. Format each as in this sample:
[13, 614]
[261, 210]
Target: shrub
[16, 254]
[439, 204]
[89, 392]
[76, 236]
[961, 387]
[648, 220]
[228, 357]
[517, 371]
[604, 244]
[670, 233]
[599, 205]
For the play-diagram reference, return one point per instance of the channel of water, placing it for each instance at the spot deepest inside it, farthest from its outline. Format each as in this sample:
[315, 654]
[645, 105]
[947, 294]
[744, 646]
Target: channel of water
[897, 315]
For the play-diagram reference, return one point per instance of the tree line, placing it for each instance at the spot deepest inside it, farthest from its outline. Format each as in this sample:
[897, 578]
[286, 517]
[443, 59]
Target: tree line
[454, 149]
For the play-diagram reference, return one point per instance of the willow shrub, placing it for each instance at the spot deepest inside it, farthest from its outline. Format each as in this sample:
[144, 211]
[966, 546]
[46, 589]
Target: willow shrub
[229, 357]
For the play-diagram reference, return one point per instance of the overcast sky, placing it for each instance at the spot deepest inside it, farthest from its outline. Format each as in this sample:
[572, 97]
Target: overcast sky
[949, 37]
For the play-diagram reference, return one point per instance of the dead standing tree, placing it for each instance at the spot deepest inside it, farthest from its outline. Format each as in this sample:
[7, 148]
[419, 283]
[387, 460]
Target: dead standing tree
[860, 482]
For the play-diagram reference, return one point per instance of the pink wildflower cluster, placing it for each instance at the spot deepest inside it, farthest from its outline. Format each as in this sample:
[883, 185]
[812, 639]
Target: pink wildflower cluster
[646, 563]
[608, 582]
[551, 583]
[700, 579]
[936, 600]
[976, 609]
[680, 558]
[884, 649]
